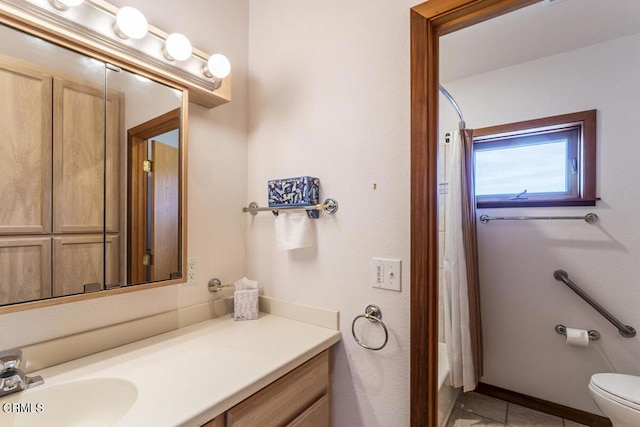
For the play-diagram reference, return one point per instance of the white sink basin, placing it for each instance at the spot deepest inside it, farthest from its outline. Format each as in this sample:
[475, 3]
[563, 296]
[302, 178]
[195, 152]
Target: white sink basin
[89, 403]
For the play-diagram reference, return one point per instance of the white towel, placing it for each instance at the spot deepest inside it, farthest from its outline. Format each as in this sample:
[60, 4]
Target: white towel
[293, 231]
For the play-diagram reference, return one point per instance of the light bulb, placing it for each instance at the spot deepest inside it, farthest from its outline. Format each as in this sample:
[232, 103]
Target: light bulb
[65, 4]
[218, 67]
[177, 47]
[130, 23]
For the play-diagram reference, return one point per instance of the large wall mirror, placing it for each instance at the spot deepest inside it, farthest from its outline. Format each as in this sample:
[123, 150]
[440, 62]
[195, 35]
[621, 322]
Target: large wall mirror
[91, 174]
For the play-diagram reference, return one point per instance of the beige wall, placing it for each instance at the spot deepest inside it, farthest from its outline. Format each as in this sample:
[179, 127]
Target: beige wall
[329, 90]
[521, 302]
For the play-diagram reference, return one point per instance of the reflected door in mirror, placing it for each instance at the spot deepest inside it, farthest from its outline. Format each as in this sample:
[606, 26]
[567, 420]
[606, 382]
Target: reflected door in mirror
[163, 226]
[154, 192]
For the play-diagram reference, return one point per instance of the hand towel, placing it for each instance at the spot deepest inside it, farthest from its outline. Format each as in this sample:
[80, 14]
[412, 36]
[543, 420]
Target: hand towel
[293, 231]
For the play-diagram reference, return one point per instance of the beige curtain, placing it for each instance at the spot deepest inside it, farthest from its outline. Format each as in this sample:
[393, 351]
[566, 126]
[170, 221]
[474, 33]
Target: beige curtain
[461, 294]
[470, 238]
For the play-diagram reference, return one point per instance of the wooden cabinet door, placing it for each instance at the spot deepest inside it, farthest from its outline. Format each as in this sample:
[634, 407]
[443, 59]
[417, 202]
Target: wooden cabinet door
[79, 159]
[25, 150]
[317, 415]
[216, 422]
[78, 260]
[25, 269]
[285, 399]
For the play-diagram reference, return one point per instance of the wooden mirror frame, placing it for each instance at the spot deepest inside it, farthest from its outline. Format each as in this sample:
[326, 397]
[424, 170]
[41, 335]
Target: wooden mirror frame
[429, 21]
[22, 22]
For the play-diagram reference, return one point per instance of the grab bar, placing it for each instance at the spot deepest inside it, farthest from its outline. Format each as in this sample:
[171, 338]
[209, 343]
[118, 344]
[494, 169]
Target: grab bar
[590, 218]
[624, 330]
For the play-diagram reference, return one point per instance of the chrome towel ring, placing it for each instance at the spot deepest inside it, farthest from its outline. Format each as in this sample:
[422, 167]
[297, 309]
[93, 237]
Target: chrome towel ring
[373, 314]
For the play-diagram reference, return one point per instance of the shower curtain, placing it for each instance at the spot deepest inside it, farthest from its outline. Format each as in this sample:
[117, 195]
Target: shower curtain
[462, 327]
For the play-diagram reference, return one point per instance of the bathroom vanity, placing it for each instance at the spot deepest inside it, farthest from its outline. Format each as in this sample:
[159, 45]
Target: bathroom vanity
[301, 397]
[219, 372]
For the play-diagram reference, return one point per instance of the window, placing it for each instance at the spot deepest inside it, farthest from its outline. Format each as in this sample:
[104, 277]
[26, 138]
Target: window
[542, 162]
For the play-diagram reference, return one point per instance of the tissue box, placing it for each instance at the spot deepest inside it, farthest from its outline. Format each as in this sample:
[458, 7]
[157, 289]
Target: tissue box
[297, 191]
[245, 304]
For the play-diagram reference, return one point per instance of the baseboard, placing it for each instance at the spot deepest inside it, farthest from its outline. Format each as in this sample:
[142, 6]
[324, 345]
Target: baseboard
[545, 406]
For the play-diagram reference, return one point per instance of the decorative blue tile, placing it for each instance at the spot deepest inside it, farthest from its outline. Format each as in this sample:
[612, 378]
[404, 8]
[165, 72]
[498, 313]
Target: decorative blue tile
[297, 191]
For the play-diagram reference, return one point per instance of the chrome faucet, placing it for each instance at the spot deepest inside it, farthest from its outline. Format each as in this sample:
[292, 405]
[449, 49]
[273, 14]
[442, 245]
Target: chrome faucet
[12, 378]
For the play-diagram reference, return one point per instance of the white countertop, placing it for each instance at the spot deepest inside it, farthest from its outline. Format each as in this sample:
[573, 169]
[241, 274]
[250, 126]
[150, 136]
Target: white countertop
[183, 377]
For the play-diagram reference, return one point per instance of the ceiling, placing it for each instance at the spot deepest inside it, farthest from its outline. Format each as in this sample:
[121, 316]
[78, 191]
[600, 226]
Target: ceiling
[544, 29]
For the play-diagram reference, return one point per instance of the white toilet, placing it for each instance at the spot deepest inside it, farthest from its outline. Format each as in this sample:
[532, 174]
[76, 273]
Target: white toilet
[618, 397]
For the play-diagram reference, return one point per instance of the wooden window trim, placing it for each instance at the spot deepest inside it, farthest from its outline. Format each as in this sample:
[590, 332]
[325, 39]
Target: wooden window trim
[587, 186]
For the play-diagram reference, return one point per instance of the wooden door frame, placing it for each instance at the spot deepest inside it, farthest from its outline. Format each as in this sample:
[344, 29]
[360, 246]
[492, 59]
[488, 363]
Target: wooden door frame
[136, 200]
[429, 21]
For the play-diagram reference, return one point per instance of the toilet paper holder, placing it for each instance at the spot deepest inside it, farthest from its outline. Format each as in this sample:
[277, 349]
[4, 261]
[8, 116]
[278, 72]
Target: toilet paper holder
[593, 335]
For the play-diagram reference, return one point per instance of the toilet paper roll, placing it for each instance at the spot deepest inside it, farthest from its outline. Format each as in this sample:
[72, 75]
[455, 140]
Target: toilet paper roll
[578, 337]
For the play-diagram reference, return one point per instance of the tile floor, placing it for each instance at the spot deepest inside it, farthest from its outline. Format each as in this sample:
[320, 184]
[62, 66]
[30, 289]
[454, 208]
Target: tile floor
[475, 409]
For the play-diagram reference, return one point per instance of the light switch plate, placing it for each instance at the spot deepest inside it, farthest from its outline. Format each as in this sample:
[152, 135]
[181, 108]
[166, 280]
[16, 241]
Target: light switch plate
[386, 274]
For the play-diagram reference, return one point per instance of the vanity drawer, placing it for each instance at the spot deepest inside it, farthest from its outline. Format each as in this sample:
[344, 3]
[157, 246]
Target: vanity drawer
[318, 414]
[287, 398]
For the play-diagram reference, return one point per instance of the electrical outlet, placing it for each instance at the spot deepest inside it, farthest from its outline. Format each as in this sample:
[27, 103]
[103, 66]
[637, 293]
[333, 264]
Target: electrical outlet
[192, 270]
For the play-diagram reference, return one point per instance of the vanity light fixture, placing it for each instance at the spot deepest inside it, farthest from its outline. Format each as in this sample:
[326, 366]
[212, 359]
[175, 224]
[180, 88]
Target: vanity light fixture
[177, 47]
[130, 23]
[129, 35]
[217, 67]
[65, 4]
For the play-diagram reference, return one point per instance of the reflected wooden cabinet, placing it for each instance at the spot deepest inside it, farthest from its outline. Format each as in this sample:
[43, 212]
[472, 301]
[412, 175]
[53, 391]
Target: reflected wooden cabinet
[25, 261]
[78, 159]
[25, 120]
[300, 398]
[78, 260]
[53, 184]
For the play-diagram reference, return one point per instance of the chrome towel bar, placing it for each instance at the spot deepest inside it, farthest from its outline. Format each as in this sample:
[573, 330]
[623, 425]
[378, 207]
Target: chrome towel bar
[624, 330]
[330, 206]
[590, 218]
